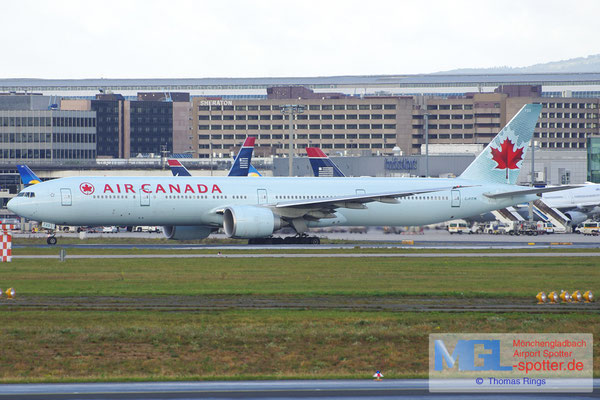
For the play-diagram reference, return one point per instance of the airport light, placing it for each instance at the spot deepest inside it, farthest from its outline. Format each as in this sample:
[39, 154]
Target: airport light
[565, 296]
[576, 296]
[553, 297]
[541, 298]
[10, 293]
[291, 109]
[588, 296]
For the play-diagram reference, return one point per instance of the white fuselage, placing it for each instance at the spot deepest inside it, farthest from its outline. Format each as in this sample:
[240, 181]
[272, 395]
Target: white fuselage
[122, 201]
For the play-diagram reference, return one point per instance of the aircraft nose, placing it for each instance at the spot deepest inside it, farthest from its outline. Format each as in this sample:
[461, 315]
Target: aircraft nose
[13, 206]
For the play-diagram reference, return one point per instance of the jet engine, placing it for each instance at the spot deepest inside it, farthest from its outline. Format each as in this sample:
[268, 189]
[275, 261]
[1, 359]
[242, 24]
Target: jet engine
[183, 232]
[576, 217]
[249, 222]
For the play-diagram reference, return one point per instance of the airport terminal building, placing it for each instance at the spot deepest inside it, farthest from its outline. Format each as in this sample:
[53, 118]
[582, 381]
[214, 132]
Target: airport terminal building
[376, 125]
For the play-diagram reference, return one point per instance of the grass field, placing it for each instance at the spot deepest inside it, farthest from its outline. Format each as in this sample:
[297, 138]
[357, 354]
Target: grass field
[63, 346]
[468, 276]
[56, 345]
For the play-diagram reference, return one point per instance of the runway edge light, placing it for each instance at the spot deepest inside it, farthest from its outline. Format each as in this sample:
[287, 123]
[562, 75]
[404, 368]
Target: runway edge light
[576, 296]
[565, 296]
[378, 375]
[588, 296]
[553, 297]
[541, 298]
[10, 293]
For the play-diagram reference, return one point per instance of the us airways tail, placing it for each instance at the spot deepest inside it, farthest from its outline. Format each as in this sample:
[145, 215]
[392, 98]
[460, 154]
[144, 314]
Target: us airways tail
[241, 164]
[501, 160]
[28, 177]
[177, 168]
[321, 164]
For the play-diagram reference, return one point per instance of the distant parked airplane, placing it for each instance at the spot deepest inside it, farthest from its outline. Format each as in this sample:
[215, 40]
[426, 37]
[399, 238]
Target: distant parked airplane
[241, 164]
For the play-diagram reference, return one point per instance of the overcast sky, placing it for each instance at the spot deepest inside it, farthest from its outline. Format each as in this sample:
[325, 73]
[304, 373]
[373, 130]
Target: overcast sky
[216, 38]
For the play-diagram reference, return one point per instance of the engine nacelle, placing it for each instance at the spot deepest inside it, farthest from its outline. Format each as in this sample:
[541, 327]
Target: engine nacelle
[249, 222]
[576, 217]
[182, 232]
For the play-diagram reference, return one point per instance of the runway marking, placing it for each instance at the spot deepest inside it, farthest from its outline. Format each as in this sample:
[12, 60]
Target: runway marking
[313, 255]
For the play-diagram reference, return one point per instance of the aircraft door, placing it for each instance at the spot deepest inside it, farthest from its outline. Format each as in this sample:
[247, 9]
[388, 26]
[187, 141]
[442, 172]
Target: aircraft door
[455, 196]
[65, 197]
[262, 196]
[144, 198]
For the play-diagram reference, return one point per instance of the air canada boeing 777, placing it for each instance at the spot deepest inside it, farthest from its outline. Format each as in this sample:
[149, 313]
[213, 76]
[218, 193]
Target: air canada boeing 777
[193, 207]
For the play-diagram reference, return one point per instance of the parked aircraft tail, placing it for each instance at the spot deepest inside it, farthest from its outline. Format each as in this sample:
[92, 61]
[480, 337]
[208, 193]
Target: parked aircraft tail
[28, 177]
[321, 164]
[501, 160]
[177, 168]
[241, 164]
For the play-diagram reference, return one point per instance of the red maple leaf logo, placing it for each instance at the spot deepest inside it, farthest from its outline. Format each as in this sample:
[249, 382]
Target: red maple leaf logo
[506, 157]
[86, 188]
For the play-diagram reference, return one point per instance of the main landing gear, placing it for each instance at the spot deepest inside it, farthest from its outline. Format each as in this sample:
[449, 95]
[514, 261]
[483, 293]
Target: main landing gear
[51, 239]
[302, 239]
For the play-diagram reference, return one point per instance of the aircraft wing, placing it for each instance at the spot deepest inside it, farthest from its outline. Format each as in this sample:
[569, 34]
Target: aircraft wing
[355, 201]
[537, 191]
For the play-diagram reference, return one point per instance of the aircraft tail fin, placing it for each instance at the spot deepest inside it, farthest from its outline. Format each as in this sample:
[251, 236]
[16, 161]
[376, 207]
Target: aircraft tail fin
[28, 177]
[253, 171]
[177, 168]
[321, 164]
[501, 160]
[241, 164]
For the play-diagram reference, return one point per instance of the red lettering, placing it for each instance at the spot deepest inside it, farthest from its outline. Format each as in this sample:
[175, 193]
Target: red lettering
[159, 188]
[202, 188]
[107, 188]
[216, 189]
[129, 187]
[144, 189]
[118, 188]
[173, 188]
[188, 188]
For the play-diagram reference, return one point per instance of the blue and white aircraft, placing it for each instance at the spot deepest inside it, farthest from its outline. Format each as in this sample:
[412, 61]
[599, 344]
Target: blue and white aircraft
[193, 207]
[241, 164]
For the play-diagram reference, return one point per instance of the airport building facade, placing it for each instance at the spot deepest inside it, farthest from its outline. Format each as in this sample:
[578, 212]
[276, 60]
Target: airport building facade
[31, 130]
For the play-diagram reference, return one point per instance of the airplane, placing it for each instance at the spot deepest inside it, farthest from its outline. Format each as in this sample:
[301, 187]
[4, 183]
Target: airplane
[322, 165]
[28, 177]
[194, 207]
[241, 164]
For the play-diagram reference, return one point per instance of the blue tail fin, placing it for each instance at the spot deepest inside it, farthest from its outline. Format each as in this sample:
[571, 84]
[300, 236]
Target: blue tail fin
[253, 171]
[321, 164]
[177, 169]
[241, 164]
[27, 175]
[501, 160]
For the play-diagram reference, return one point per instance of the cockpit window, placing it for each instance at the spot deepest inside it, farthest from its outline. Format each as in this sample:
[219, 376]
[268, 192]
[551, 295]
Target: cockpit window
[26, 194]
